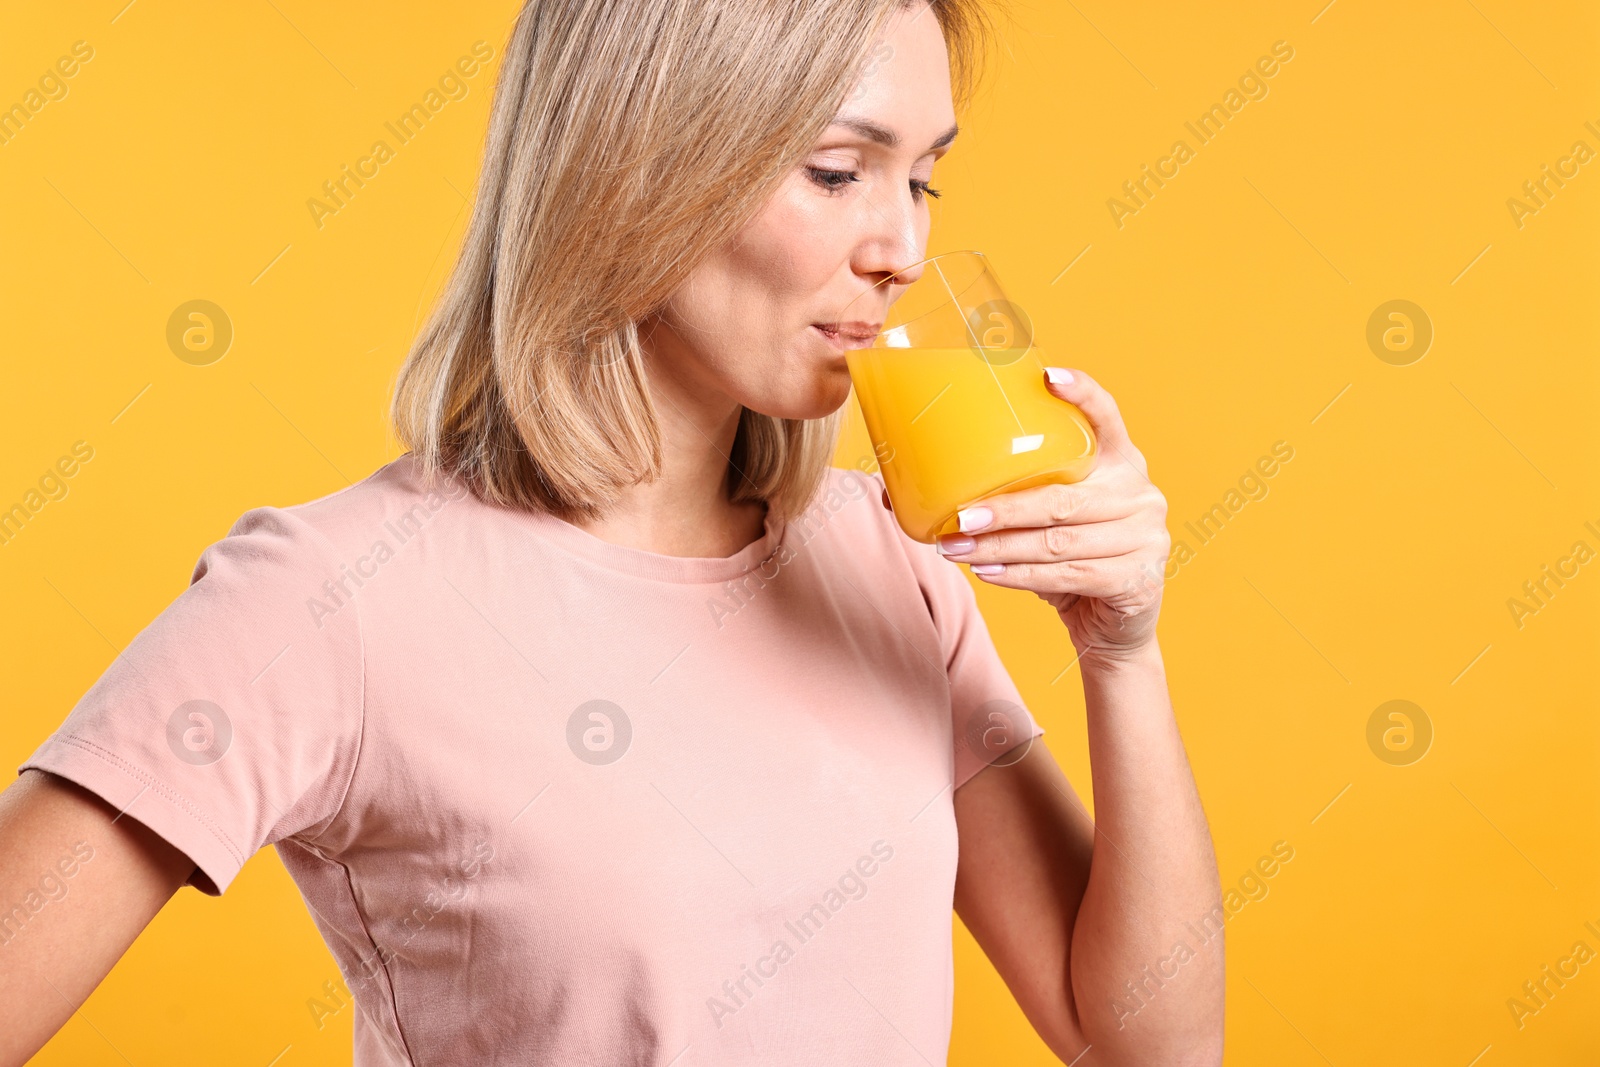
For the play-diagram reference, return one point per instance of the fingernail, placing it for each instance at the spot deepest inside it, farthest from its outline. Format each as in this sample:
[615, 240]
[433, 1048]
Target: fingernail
[955, 546]
[974, 518]
[1058, 375]
[988, 568]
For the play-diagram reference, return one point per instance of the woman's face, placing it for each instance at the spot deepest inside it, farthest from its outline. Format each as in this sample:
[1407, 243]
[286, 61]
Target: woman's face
[744, 325]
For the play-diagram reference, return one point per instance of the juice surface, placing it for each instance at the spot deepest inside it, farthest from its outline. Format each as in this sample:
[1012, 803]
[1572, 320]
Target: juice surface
[953, 426]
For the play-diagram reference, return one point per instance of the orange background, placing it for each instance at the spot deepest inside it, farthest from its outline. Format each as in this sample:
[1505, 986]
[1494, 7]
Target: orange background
[1230, 312]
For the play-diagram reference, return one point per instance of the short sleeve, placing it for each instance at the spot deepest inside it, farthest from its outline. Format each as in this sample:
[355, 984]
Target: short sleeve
[232, 720]
[989, 721]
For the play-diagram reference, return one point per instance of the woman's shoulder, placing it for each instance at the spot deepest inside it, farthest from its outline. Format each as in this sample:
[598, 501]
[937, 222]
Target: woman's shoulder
[847, 522]
[850, 500]
[850, 503]
[395, 502]
[846, 510]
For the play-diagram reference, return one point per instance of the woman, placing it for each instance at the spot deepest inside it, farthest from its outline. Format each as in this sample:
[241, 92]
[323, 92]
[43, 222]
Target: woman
[610, 724]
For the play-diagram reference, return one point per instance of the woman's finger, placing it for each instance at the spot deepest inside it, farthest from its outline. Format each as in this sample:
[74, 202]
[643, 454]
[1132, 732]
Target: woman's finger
[1051, 544]
[1099, 578]
[1101, 497]
[1093, 400]
[1096, 403]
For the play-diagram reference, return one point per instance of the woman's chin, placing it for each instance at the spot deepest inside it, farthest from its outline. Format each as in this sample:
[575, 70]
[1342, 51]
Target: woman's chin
[827, 394]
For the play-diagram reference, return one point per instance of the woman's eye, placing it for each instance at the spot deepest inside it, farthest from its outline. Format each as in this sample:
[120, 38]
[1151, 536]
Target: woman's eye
[836, 179]
[832, 179]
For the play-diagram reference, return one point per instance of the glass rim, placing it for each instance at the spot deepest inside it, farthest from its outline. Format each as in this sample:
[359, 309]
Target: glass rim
[966, 254]
[976, 266]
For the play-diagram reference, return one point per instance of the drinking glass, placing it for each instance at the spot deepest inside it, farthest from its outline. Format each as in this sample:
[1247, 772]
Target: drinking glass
[953, 393]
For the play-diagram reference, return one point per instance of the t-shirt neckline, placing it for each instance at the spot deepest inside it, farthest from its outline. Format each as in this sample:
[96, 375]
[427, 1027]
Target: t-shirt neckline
[654, 565]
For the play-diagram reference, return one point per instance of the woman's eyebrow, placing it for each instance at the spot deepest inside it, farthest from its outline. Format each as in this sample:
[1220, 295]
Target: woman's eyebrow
[881, 134]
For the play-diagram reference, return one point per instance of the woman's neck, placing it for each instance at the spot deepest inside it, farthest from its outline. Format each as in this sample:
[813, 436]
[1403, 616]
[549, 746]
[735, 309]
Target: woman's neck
[686, 511]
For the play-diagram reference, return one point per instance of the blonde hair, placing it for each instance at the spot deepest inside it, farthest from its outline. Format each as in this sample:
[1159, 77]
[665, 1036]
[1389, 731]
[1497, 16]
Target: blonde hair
[627, 139]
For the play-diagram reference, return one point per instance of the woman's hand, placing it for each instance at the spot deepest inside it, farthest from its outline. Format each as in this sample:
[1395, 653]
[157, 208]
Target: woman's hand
[1095, 550]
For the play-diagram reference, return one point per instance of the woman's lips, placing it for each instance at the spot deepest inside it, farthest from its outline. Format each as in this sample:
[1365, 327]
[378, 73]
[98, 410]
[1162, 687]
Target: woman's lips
[843, 336]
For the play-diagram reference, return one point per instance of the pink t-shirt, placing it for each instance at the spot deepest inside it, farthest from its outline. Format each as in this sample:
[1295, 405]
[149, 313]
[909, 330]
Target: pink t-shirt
[555, 800]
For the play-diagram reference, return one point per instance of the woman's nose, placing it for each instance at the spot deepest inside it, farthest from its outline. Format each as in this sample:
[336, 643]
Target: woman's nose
[910, 273]
[896, 243]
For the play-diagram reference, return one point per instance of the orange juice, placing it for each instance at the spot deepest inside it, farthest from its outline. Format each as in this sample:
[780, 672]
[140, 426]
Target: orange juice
[954, 425]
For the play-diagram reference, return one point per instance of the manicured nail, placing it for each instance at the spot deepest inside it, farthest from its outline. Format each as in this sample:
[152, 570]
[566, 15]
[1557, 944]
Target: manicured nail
[974, 518]
[988, 568]
[1058, 375]
[950, 545]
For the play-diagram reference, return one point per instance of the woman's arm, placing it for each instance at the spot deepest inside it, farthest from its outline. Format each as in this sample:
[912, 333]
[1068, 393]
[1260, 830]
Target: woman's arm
[60, 932]
[1025, 856]
[1083, 918]
[1108, 932]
